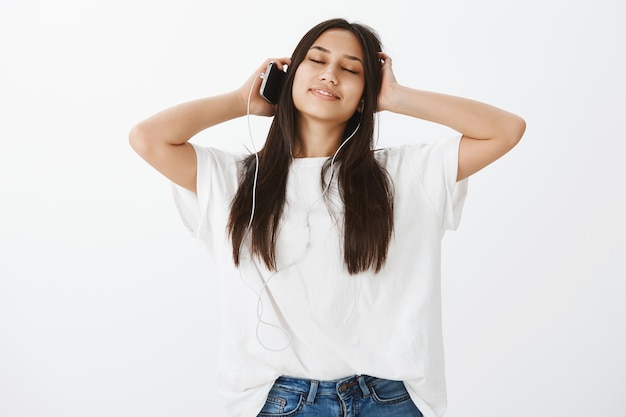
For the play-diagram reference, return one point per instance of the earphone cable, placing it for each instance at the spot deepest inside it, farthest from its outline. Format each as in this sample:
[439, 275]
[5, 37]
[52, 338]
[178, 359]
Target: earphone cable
[263, 290]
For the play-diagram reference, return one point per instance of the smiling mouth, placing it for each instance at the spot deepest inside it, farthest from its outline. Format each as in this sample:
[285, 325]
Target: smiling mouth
[324, 93]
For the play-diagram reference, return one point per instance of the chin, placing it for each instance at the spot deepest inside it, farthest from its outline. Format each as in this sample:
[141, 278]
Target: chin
[326, 113]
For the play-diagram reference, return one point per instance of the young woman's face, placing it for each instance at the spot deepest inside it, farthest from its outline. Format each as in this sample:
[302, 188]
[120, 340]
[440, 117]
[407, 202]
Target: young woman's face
[329, 83]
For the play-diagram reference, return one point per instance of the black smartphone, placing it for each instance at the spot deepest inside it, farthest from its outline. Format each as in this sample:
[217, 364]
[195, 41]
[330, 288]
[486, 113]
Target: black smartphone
[272, 82]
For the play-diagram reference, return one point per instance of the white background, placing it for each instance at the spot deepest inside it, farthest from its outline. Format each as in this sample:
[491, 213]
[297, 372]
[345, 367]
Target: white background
[108, 306]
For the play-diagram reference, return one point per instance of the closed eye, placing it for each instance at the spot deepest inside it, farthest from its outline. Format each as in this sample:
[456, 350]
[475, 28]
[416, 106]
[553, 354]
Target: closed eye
[350, 70]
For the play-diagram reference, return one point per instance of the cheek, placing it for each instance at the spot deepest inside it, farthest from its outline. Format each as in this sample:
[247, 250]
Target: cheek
[297, 80]
[296, 90]
[301, 76]
[358, 89]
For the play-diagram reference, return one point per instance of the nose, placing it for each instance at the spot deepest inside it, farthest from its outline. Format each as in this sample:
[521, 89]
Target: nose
[329, 74]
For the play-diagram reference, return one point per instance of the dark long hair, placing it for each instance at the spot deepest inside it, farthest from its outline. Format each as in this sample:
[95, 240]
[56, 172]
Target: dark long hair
[364, 185]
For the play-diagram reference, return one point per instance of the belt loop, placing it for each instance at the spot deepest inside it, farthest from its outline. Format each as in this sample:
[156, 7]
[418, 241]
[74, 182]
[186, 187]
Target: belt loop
[312, 392]
[364, 389]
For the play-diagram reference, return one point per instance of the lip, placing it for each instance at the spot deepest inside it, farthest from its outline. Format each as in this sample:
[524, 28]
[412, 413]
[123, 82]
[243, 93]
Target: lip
[324, 93]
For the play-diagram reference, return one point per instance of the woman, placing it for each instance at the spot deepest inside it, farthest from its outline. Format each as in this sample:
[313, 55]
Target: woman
[328, 250]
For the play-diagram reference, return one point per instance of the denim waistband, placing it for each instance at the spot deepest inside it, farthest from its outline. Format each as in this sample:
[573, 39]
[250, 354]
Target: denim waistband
[342, 387]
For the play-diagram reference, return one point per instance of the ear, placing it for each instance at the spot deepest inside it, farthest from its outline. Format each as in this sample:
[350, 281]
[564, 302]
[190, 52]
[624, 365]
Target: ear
[360, 106]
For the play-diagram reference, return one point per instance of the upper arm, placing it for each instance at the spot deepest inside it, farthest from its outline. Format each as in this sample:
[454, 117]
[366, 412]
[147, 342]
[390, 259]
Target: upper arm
[475, 154]
[176, 162]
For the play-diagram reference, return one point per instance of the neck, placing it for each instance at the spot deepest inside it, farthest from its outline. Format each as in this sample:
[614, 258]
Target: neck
[317, 140]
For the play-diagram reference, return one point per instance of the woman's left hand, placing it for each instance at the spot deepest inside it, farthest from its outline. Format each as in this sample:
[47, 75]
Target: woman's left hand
[389, 83]
[488, 132]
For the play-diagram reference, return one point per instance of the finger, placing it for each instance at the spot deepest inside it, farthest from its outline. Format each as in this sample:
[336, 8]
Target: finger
[384, 59]
[280, 62]
[283, 62]
[261, 70]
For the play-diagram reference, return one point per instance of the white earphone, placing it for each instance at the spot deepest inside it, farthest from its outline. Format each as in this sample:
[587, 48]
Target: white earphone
[260, 305]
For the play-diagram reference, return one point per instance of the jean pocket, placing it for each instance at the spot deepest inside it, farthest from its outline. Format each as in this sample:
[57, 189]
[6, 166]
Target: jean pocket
[282, 403]
[389, 392]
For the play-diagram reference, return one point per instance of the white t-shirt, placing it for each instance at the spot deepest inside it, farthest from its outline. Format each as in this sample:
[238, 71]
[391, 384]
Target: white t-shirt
[313, 319]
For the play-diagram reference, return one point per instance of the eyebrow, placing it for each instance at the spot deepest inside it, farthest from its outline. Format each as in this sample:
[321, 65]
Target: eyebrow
[350, 57]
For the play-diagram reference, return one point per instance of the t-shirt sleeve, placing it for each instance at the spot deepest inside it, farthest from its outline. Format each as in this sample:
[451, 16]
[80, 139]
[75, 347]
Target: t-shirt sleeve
[437, 166]
[193, 207]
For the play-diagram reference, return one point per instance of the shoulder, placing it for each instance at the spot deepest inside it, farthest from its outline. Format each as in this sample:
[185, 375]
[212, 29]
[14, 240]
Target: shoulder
[392, 156]
[217, 154]
[217, 159]
[418, 151]
[434, 163]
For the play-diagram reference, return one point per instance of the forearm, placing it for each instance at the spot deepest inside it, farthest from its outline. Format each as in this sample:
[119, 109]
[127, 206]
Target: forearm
[471, 118]
[177, 124]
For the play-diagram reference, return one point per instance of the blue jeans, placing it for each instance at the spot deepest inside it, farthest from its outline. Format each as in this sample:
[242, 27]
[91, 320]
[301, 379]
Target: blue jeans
[356, 396]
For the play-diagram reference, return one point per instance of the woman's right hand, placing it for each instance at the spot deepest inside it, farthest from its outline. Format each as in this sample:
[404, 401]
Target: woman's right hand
[162, 139]
[258, 105]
